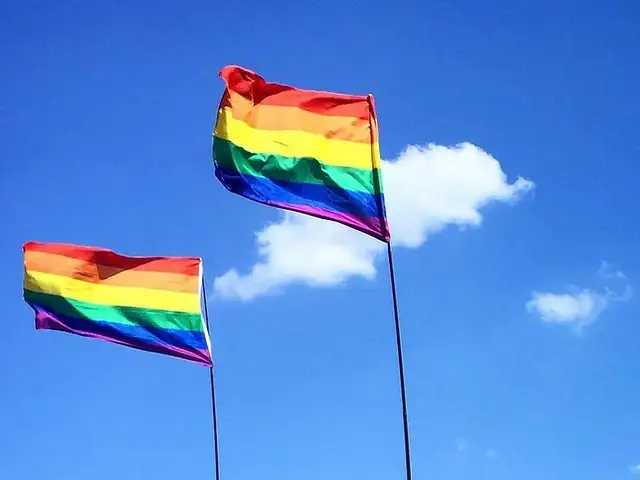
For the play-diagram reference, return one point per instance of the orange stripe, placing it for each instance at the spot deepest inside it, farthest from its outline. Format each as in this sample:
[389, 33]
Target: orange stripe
[107, 275]
[254, 88]
[107, 258]
[270, 117]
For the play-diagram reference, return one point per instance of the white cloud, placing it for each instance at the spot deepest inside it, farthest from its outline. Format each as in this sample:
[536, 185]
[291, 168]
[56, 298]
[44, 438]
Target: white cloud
[582, 307]
[578, 307]
[635, 469]
[426, 189]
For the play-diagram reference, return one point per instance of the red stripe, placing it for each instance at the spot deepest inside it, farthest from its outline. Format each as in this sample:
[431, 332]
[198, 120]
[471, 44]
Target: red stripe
[107, 258]
[254, 88]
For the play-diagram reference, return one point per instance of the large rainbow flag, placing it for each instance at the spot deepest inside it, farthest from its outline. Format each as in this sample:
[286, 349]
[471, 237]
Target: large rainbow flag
[311, 152]
[148, 303]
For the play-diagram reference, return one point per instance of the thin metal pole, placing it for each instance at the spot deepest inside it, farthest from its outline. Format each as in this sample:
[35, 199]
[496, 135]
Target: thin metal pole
[213, 389]
[405, 421]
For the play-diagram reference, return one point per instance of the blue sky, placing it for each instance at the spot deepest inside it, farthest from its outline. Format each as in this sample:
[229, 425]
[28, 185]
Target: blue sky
[520, 343]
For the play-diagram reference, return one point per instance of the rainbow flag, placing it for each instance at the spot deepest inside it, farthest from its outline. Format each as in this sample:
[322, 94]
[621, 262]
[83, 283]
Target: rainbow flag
[311, 152]
[148, 303]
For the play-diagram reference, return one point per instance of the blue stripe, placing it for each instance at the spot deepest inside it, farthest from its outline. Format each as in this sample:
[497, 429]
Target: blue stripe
[267, 191]
[182, 343]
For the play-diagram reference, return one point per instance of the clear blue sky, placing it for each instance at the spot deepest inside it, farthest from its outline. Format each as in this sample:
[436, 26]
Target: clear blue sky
[105, 133]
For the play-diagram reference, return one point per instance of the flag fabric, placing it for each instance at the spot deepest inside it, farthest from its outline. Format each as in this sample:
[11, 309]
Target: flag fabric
[301, 150]
[147, 303]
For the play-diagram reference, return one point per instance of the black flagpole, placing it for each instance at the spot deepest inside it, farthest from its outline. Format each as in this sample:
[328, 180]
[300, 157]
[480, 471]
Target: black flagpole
[213, 389]
[405, 421]
[396, 316]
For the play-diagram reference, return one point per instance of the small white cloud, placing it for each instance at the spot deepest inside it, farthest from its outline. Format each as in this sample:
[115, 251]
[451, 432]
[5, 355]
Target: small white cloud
[635, 469]
[583, 307]
[426, 189]
[578, 307]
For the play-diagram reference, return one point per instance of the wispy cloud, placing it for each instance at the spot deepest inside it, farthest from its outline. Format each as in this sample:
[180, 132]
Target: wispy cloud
[427, 188]
[581, 307]
[462, 445]
[635, 469]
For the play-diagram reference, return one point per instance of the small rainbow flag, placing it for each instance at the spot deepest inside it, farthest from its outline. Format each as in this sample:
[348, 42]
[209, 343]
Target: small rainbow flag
[148, 303]
[311, 152]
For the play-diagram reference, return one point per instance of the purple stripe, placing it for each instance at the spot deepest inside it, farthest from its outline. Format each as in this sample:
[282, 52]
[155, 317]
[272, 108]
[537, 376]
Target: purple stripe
[49, 321]
[371, 226]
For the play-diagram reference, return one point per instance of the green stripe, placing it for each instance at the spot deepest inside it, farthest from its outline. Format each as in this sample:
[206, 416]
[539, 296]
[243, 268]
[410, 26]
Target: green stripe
[123, 315]
[291, 169]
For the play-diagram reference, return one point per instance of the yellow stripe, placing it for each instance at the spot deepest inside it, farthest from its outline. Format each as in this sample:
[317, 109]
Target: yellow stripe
[110, 294]
[293, 143]
[376, 159]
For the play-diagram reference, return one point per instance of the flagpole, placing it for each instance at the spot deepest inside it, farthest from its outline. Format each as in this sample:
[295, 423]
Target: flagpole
[405, 421]
[213, 390]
